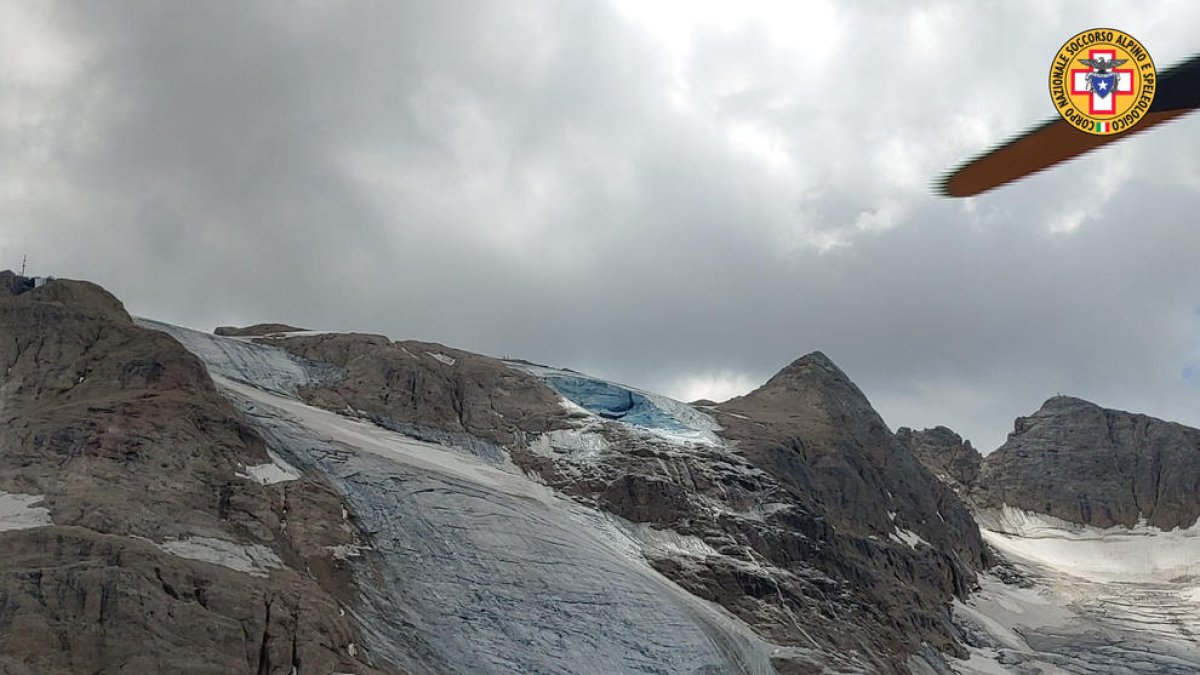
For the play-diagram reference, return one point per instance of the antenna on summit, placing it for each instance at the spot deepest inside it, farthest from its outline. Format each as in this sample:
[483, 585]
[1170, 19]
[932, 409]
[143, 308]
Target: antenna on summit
[24, 257]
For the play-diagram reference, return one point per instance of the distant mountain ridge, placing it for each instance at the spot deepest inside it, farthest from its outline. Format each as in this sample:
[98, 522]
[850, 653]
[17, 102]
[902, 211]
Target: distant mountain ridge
[1079, 462]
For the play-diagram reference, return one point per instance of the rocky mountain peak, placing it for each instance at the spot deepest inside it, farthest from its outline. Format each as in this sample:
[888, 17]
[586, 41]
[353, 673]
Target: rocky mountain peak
[945, 454]
[1083, 463]
[812, 387]
[77, 298]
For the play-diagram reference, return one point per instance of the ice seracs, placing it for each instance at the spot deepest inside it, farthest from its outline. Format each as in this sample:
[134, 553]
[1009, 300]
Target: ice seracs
[659, 415]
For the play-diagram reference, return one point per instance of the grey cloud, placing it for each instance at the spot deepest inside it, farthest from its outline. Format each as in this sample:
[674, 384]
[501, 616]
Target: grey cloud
[546, 181]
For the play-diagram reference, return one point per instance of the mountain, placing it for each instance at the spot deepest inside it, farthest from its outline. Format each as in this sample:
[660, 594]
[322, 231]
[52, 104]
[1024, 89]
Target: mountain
[124, 476]
[1085, 464]
[1078, 462]
[276, 499]
[1092, 514]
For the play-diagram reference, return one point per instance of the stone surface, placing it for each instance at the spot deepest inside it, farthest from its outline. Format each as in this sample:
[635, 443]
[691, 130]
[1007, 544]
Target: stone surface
[1082, 463]
[256, 330]
[947, 456]
[124, 435]
[430, 385]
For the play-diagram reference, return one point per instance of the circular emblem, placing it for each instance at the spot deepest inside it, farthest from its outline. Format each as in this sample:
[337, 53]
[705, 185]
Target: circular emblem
[1102, 81]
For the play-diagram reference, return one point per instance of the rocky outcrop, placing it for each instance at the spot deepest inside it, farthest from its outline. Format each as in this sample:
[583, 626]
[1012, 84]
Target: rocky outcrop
[1085, 464]
[428, 385]
[814, 430]
[821, 530]
[811, 430]
[157, 552]
[258, 329]
[947, 456]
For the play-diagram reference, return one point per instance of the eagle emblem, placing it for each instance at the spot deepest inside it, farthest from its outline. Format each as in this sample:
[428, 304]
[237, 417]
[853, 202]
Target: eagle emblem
[1102, 80]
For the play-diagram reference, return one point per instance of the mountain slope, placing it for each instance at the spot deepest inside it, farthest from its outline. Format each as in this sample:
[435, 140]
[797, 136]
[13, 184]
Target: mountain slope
[1082, 463]
[1092, 513]
[346, 503]
[791, 561]
[144, 543]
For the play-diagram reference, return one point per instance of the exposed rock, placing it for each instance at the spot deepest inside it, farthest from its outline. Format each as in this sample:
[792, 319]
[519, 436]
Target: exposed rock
[1085, 464]
[124, 435]
[811, 429]
[256, 330]
[814, 430]
[947, 456]
[429, 385]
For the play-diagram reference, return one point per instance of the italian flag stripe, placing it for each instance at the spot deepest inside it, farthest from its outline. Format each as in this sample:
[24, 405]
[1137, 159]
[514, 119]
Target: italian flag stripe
[1101, 126]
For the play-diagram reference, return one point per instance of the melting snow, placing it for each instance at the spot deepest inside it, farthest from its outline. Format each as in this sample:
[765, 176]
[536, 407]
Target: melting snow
[1120, 600]
[903, 536]
[21, 511]
[449, 361]
[1139, 554]
[253, 559]
[275, 471]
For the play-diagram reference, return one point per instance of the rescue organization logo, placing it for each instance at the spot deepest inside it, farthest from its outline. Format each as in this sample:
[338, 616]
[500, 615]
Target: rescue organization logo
[1102, 81]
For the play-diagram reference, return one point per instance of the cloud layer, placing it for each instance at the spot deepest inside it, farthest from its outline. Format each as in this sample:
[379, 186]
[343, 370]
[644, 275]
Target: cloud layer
[672, 195]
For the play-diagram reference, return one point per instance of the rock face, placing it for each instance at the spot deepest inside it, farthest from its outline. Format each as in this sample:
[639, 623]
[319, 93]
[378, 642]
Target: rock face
[812, 430]
[428, 385]
[945, 454]
[139, 543]
[1085, 464]
[256, 330]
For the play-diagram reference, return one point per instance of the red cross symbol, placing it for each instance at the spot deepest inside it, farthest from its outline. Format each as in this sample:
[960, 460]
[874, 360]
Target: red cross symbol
[1106, 105]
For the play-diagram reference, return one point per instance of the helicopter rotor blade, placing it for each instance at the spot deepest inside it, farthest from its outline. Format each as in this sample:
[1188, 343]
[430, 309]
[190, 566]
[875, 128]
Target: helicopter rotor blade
[1056, 141]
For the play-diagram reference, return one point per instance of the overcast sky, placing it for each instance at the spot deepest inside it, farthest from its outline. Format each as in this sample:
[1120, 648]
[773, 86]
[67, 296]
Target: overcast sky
[683, 196]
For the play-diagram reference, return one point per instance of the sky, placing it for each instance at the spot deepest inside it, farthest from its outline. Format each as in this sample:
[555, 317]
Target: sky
[681, 196]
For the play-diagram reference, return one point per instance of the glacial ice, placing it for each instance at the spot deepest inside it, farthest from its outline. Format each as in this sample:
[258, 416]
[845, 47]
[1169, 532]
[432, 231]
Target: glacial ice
[240, 359]
[470, 566]
[664, 417]
[1114, 600]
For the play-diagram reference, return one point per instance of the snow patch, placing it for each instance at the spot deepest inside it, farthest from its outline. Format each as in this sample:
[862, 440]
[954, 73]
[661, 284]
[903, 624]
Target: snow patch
[346, 551]
[442, 358]
[22, 511]
[574, 443]
[275, 471]
[253, 559]
[1143, 553]
[908, 537]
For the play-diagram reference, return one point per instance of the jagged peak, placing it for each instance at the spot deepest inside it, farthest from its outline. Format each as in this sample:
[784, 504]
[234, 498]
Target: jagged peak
[811, 371]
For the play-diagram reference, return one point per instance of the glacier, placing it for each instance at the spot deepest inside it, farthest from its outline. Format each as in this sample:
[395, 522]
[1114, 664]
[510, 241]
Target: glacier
[658, 415]
[467, 565]
[1079, 599]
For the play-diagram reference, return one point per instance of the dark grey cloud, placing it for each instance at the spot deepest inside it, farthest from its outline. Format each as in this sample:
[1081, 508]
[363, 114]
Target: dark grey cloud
[679, 196]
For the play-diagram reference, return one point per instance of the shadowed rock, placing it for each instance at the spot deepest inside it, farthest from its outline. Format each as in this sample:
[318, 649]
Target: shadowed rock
[256, 330]
[947, 456]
